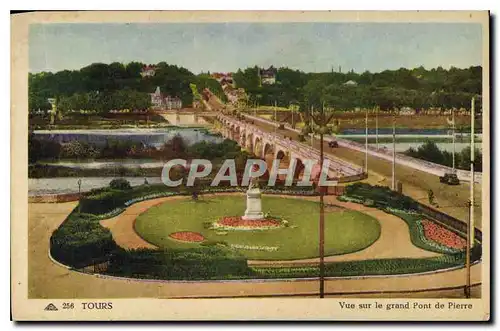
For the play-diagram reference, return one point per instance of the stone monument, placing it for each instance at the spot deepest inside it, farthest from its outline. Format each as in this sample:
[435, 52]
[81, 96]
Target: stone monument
[254, 205]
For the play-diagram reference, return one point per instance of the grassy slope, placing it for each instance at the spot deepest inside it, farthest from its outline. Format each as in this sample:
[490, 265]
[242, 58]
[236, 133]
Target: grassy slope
[346, 231]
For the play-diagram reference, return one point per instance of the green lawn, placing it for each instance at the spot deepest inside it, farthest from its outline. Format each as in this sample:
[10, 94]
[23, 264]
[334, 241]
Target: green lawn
[346, 231]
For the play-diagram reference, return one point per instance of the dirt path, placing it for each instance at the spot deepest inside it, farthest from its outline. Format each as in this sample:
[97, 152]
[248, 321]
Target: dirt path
[49, 280]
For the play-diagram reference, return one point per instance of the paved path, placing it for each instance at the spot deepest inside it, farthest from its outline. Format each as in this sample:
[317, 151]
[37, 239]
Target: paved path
[48, 280]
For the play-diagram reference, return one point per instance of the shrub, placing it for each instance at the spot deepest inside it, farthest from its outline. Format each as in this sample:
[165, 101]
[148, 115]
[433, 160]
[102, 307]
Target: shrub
[382, 196]
[370, 267]
[81, 241]
[189, 264]
[120, 184]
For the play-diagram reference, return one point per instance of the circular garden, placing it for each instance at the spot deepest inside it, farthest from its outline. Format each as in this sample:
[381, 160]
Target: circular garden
[289, 231]
[207, 238]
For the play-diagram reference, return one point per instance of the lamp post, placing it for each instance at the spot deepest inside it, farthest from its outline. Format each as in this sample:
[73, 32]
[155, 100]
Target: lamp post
[472, 147]
[453, 133]
[321, 121]
[79, 194]
[376, 127]
[467, 254]
[366, 142]
[394, 152]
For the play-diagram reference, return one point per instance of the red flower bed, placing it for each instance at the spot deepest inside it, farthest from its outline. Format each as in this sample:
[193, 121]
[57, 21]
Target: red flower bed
[442, 235]
[187, 236]
[238, 221]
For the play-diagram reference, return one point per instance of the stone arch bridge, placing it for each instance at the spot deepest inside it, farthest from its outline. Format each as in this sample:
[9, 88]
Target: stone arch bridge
[270, 146]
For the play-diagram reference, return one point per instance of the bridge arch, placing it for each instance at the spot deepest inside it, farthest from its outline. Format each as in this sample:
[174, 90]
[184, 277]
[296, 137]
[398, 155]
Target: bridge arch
[299, 169]
[284, 157]
[258, 148]
[242, 138]
[235, 133]
[249, 141]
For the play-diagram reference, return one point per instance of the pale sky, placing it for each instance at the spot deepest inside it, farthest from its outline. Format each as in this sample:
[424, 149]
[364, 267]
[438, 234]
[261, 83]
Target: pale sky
[310, 47]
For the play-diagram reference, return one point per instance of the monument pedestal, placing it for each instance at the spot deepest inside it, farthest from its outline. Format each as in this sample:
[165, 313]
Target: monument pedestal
[254, 205]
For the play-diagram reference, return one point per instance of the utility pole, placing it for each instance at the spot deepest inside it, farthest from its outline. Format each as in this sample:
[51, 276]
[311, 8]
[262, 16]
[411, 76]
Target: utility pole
[322, 122]
[275, 117]
[453, 133]
[321, 224]
[394, 152]
[366, 142]
[312, 126]
[79, 194]
[472, 147]
[467, 255]
[376, 127]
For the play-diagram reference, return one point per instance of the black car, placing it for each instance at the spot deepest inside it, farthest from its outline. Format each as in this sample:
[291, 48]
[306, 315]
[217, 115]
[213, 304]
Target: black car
[333, 144]
[450, 179]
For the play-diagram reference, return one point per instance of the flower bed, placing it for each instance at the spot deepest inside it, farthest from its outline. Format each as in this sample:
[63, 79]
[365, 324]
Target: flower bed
[187, 236]
[238, 223]
[443, 236]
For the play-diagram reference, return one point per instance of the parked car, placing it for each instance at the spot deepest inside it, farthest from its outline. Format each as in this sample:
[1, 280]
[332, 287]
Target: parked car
[450, 179]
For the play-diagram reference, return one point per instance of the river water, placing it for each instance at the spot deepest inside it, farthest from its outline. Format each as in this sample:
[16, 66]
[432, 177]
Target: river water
[149, 137]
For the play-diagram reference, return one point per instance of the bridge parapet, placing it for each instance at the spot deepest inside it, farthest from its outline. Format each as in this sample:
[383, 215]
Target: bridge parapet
[346, 169]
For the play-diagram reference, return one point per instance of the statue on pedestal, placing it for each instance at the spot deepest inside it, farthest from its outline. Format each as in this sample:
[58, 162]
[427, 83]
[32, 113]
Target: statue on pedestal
[254, 205]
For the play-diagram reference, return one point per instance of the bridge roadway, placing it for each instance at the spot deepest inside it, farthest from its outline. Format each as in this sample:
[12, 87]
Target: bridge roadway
[263, 143]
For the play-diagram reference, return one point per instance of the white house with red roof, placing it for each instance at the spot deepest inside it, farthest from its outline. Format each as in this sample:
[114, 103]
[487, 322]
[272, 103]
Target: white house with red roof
[148, 70]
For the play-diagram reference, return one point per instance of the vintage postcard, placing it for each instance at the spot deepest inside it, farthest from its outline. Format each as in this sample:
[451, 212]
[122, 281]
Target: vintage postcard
[250, 166]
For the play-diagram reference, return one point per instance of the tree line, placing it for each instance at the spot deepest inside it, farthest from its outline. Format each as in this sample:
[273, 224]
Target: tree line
[417, 88]
[429, 151]
[113, 85]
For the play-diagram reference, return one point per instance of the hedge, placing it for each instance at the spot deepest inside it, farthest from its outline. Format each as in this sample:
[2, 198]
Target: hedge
[81, 241]
[382, 196]
[371, 267]
[188, 264]
[219, 263]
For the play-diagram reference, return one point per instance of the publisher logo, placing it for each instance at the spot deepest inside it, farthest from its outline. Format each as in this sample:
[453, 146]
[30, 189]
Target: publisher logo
[51, 307]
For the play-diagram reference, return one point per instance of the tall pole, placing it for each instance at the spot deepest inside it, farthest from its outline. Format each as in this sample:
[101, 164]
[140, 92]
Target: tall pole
[453, 133]
[472, 171]
[312, 126]
[275, 118]
[376, 127]
[394, 152]
[79, 195]
[321, 220]
[366, 142]
[467, 255]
